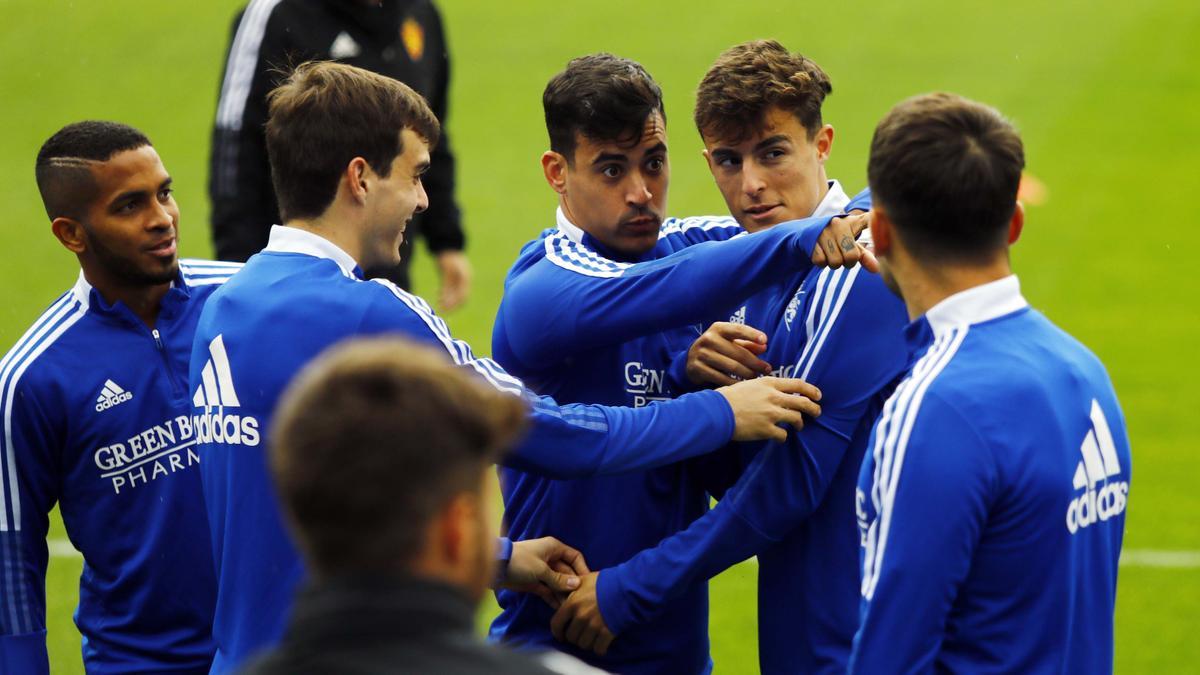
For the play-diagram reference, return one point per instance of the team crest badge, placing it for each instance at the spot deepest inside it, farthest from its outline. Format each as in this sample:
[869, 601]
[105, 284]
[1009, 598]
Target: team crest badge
[413, 37]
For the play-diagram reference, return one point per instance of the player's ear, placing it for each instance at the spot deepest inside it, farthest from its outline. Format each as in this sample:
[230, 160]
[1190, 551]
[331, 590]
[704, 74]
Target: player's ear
[881, 230]
[1017, 224]
[554, 166]
[457, 524]
[712, 168]
[356, 179]
[824, 142]
[70, 233]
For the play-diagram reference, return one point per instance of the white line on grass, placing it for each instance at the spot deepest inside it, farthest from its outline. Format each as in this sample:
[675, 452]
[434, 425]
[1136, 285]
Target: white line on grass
[1140, 557]
[1137, 557]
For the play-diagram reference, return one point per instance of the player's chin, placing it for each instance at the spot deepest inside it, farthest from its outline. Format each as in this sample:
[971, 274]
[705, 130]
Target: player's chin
[638, 241]
[161, 271]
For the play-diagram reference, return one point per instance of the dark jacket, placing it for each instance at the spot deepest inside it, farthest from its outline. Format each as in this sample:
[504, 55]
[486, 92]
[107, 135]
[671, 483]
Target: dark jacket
[374, 625]
[402, 39]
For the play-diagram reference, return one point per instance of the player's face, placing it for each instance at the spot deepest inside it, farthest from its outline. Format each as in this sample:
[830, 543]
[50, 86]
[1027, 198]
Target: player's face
[776, 175]
[394, 201]
[132, 227]
[618, 192]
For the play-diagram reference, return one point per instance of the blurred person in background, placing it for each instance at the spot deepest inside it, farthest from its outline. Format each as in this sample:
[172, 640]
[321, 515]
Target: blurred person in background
[401, 39]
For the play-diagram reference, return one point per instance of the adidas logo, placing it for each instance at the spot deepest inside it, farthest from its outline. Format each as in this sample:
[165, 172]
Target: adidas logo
[1099, 463]
[789, 314]
[111, 395]
[344, 47]
[214, 395]
[739, 316]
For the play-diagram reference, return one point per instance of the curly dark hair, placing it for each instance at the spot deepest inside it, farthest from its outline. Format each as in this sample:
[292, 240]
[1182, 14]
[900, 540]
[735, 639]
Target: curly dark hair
[749, 79]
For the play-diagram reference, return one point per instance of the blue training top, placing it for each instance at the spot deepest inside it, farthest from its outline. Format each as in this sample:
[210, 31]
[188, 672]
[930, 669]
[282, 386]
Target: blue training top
[992, 500]
[97, 418]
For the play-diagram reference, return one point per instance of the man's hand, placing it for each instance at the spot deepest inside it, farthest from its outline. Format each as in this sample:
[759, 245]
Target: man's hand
[579, 621]
[838, 244]
[545, 567]
[455, 272]
[725, 353]
[761, 405]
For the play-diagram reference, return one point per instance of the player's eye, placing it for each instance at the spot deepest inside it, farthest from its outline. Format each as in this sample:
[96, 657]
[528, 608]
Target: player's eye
[165, 194]
[773, 154]
[655, 164]
[611, 171]
[729, 162]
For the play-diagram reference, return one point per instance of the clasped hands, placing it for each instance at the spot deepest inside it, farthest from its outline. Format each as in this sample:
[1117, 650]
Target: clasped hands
[558, 575]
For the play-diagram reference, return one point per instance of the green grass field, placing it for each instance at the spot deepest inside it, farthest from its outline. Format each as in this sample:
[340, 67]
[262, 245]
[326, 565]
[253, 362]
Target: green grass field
[1106, 94]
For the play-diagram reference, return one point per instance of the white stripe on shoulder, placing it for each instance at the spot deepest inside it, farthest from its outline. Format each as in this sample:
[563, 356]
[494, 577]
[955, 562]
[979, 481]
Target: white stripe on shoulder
[191, 265]
[680, 225]
[574, 257]
[906, 419]
[53, 323]
[243, 57]
[458, 350]
[884, 437]
[829, 317]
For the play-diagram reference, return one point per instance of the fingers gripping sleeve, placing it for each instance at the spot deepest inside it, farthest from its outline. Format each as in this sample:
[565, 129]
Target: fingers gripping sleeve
[785, 482]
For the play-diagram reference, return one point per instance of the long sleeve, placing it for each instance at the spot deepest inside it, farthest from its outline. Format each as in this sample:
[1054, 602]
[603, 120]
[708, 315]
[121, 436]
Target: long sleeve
[930, 516]
[240, 191]
[575, 300]
[576, 440]
[24, 522]
[851, 355]
[441, 224]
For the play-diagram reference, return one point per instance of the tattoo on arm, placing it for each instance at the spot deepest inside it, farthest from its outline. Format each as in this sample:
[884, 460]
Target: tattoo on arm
[847, 243]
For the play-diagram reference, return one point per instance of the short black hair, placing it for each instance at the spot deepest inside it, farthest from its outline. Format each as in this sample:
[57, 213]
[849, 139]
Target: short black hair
[603, 98]
[947, 169]
[63, 168]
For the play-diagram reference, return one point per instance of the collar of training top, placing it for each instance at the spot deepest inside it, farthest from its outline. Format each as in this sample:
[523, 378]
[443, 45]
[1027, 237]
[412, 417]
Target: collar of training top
[976, 305]
[834, 202]
[294, 240]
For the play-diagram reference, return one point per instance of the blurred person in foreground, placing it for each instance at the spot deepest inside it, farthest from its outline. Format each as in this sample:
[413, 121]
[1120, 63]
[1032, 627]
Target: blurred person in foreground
[991, 502]
[393, 513]
[400, 39]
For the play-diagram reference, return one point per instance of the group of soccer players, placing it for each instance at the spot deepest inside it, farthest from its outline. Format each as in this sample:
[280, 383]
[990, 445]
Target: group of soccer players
[932, 476]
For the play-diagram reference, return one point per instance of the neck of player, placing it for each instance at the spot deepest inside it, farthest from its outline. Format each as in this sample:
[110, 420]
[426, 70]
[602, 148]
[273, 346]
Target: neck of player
[144, 300]
[924, 286]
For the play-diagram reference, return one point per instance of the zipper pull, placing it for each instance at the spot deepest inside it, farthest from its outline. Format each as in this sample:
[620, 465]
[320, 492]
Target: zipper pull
[157, 338]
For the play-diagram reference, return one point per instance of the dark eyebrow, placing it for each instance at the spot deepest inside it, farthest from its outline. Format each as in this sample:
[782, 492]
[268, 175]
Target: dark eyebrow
[767, 142]
[132, 195]
[659, 147]
[610, 157]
